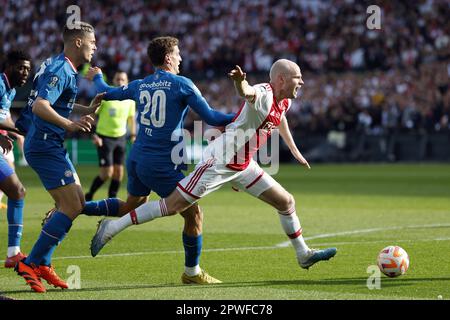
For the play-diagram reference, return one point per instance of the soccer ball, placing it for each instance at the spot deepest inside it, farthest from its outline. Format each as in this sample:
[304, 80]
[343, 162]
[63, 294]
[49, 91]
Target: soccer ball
[393, 261]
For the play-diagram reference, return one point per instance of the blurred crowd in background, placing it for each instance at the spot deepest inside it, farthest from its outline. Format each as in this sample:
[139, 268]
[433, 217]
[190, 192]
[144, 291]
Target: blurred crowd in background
[375, 81]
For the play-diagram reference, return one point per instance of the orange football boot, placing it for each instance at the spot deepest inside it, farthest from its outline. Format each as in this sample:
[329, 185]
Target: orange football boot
[30, 277]
[11, 262]
[48, 273]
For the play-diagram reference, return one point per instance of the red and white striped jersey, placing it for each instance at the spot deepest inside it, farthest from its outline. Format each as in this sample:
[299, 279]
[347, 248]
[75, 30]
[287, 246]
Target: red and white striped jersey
[250, 128]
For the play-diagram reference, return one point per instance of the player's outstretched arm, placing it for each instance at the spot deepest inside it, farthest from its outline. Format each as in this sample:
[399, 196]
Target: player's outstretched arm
[8, 127]
[285, 133]
[196, 101]
[112, 93]
[209, 115]
[43, 109]
[95, 75]
[240, 83]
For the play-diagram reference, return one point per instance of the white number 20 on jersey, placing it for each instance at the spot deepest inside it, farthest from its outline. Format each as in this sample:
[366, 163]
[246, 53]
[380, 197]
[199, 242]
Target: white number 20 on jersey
[153, 104]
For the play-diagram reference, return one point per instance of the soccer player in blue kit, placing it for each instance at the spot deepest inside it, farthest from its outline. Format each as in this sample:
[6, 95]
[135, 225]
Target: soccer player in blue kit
[51, 102]
[163, 99]
[17, 70]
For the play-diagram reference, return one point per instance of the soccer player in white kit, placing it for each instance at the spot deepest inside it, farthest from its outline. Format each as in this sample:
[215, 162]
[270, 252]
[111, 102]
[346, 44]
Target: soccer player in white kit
[229, 158]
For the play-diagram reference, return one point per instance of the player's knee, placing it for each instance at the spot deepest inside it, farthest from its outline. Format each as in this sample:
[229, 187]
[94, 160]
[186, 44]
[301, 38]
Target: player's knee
[286, 202]
[76, 208]
[117, 175]
[17, 193]
[175, 203]
[82, 204]
[72, 209]
[22, 192]
[106, 173]
[175, 207]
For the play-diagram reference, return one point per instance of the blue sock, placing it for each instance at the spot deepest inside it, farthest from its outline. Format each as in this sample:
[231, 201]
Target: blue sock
[51, 235]
[15, 222]
[106, 207]
[192, 249]
[47, 258]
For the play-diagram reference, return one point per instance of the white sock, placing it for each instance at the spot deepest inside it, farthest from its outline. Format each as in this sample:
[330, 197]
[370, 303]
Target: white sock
[192, 271]
[12, 251]
[291, 225]
[146, 212]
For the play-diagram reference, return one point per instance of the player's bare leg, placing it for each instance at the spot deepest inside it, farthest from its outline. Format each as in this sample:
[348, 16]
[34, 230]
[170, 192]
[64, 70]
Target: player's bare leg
[63, 194]
[192, 241]
[132, 203]
[284, 202]
[69, 199]
[104, 207]
[193, 220]
[106, 172]
[116, 179]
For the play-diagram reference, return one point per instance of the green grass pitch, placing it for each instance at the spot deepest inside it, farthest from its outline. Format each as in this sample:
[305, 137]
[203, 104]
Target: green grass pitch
[360, 209]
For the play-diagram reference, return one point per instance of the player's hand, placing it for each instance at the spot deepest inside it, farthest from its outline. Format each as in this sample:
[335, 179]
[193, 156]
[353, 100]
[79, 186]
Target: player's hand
[92, 72]
[96, 102]
[5, 144]
[84, 124]
[97, 141]
[297, 155]
[237, 74]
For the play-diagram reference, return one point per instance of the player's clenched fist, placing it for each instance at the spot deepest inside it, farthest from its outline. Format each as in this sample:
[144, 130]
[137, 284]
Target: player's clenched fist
[92, 72]
[237, 74]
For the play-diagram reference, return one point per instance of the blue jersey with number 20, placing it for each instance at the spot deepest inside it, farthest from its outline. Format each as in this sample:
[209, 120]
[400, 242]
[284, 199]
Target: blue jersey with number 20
[162, 100]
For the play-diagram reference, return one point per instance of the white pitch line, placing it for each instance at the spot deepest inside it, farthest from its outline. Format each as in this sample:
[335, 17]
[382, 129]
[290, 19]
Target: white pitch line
[281, 245]
[160, 252]
[345, 233]
[112, 255]
[376, 241]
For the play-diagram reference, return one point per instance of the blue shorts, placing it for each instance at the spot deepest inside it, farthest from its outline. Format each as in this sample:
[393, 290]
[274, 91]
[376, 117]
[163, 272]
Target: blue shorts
[5, 169]
[144, 178]
[52, 164]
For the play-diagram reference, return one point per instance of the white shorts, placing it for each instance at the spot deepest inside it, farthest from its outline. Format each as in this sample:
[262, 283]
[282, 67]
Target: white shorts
[209, 176]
